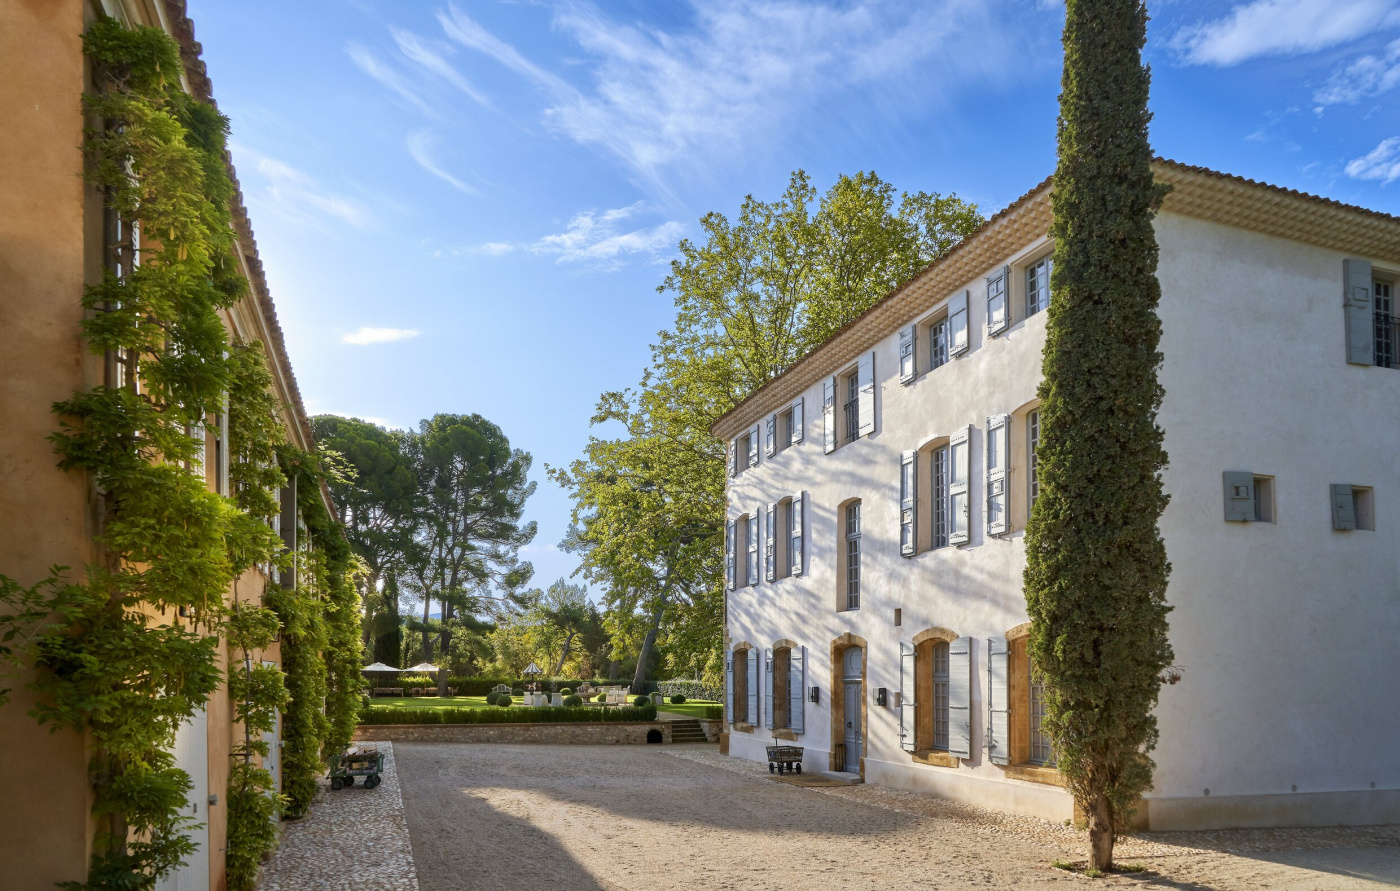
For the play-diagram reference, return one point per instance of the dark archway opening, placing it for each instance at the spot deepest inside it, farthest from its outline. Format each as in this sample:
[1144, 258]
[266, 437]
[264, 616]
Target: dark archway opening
[653, 736]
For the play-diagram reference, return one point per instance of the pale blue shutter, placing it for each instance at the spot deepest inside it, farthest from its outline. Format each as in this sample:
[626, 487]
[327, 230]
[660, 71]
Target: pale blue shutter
[751, 565]
[998, 706]
[1343, 507]
[729, 557]
[908, 478]
[1361, 332]
[998, 455]
[908, 366]
[960, 698]
[796, 421]
[906, 696]
[770, 436]
[753, 446]
[729, 684]
[829, 415]
[1239, 495]
[866, 382]
[798, 502]
[797, 688]
[223, 453]
[770, 543]
[958, 340]
[768, 689]
[753, 685]
[959, 472]
[998, 304]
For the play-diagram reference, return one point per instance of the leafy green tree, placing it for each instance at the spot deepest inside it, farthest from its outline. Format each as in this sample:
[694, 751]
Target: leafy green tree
[1096, 573]
[752, 297]
[473, 487]
[386, 627]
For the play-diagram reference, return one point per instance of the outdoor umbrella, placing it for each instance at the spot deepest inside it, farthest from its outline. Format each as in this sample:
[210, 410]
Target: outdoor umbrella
[532, 668]
[423, 667]
[380, 666]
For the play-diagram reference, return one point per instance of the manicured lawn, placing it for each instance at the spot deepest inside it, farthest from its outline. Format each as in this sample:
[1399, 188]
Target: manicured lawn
[432, 702]
[693, 708]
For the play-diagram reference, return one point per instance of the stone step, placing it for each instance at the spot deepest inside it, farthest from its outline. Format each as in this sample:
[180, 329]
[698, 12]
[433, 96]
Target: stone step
[686, 730]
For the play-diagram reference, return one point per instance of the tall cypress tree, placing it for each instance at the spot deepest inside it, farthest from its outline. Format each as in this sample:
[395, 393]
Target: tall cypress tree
[1096, 573]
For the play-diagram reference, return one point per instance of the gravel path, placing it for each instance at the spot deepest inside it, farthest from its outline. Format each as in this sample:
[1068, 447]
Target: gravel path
[352, 840]
[632, 817]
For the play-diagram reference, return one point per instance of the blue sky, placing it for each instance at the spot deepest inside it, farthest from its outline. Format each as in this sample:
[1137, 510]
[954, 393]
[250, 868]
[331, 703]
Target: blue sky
[467, 206]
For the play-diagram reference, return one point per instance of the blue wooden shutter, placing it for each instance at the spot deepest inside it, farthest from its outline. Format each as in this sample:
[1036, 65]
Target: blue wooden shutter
[998, 706]
[751, 565]
[958, 340]
[908, 486]
[998, 456]
[770, 543]
[1343, 507]
[865, 370]
[908, 366]
[998, 301]
[729, 684]
[223, 451]
[798, 501]
[753, 685]
[1356, 275]
[734, 457]
[959, 477]
[770, 436]
[960, 698]
[906, 696]
[1239, 495]
[729, 545]
[797, 688]
[796, 421]
[753, 446]
[768, 689]
[829, 415]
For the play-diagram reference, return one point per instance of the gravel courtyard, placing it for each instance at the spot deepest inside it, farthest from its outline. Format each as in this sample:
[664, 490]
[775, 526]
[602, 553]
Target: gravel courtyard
[574, 818]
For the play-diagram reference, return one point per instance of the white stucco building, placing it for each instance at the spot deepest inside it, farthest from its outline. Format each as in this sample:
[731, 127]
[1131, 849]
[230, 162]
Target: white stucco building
[879, 490]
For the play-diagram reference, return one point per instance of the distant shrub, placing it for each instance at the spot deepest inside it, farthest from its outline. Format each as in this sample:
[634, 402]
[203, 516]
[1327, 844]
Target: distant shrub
[714, 712]
[503, 700]
[517, 691]
[641, 701]
[601, 697]
[565, 691]
[690, 690]
[573, 701]
[677, 699]
[491, 698]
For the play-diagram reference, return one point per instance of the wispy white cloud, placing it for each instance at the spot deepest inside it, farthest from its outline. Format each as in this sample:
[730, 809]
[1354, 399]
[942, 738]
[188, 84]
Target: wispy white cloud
[595, 240]
[740, 71]
[431, 58]
[494, 248]
[420, 146]
[365, 336]
[1281, 27]
[1381, 163]
[290, 193]
[390, 77]
[1363, 78]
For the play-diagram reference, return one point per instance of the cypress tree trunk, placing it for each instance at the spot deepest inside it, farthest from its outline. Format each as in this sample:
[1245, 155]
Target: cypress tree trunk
[1096, 572]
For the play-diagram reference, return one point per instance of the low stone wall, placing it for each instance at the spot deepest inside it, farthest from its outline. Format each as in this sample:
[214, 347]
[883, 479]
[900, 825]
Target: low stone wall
[593, 734]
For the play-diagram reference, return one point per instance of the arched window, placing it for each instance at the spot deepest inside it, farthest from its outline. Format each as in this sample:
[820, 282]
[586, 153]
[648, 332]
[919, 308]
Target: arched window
[852, 554]
[939, 699]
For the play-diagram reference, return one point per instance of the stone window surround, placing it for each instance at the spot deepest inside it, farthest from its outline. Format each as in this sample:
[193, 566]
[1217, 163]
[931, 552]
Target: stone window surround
[923, 715]
[1018, 688]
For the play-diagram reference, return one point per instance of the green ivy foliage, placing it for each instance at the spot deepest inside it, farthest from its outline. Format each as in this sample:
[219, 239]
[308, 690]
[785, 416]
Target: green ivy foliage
[1096, 573]
[304, 725]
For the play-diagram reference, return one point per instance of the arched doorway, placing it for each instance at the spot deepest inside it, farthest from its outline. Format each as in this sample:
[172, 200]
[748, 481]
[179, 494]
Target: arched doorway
[852, 711]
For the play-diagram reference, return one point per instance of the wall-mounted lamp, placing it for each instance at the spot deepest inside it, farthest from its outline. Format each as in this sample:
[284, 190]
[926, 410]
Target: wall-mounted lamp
[881, 697]
[815, 694]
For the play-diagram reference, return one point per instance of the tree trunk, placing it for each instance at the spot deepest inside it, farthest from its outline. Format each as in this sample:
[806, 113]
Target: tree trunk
[1100, 816]
[427, 635]
[639, 679]
[444, 647]
[558, 669]
[612, 669]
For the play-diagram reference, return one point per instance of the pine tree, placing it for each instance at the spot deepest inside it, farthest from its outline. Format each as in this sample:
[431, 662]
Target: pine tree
[1096, 573]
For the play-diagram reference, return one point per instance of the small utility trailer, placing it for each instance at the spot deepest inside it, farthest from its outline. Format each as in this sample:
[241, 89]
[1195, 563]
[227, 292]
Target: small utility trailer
[784, 759]
[356, 762]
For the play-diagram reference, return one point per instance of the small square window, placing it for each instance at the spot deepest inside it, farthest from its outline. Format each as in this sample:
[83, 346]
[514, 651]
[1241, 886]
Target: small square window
[1263, 499]
[1365, 507]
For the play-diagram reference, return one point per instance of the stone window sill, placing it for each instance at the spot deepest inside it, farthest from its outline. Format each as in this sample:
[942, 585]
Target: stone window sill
[934, 759]
[784, 733]
[1031, 773]
[743, 727]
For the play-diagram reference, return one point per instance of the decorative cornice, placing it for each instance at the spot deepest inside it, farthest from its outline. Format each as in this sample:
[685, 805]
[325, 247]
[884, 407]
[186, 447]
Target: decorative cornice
[1196, 191]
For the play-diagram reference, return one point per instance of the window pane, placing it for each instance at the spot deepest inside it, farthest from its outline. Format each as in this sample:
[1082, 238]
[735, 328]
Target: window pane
[938, 503]
[938, 343]
[853, 556]
[1032, 462]
[1038, 286]
[1041, 750]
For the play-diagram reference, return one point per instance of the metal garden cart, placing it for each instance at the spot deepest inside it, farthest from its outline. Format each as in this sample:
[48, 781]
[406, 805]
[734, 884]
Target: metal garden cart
[355, 762]
[784, 759]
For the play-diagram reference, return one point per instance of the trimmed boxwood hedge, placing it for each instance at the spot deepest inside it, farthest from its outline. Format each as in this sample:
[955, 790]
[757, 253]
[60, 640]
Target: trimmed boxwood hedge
[524, 715]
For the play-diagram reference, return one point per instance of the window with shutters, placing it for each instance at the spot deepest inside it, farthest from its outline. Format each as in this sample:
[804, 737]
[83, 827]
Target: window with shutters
[1249, 497]
[1353, 507]
[942, 680]
[782, 683]
[1038, 286]
[850, 390]
[1032, 465]
[740, 456]
[1028, 743]
[1387, 355]
[938, 344]
[739, 688]
[750, 524]
[1041, 752]
[939, 698]
[848, 572]
[784, 432]
[939, 508]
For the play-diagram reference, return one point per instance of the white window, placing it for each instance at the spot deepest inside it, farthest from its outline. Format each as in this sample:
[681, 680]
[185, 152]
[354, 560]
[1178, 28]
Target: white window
[785, 438]
[939, 508]
[1384, 303]
[851, 408]
[853, 556]
[938, 343]
[1038, 286]
[1032, 464]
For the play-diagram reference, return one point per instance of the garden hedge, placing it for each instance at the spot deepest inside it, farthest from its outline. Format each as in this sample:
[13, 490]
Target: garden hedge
[523, 715]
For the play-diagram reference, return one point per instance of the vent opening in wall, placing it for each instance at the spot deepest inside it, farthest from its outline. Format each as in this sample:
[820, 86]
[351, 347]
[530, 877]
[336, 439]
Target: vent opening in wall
[898, 616]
